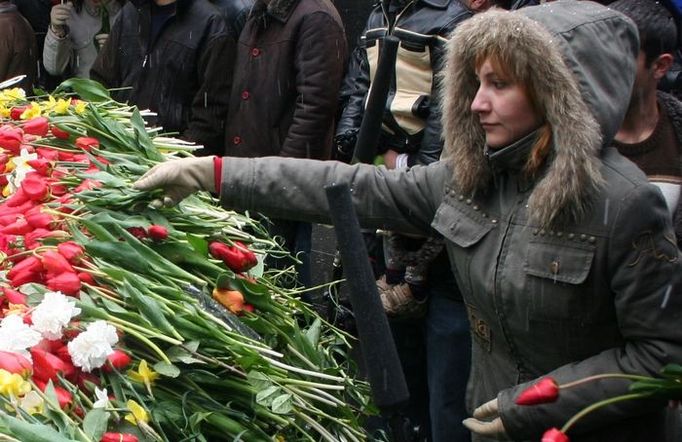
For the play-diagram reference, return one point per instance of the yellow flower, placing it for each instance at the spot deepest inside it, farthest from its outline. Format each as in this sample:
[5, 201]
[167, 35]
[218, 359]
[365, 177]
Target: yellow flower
[80, 107]
[12, 384]
[137, 414]
[7, 191]
[144, 374]
[31, 112]
[49, 104]
[62, 106]
[5, 112]
[12, 95]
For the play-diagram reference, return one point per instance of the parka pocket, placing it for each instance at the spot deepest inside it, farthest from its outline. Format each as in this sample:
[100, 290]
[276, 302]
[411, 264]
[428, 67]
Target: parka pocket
[555, 277]
[458, 227]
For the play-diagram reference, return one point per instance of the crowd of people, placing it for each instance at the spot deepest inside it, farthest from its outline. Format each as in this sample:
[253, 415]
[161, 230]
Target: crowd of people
[526, 184]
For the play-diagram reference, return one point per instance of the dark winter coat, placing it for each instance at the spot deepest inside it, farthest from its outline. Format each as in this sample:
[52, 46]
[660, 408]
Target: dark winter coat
[411, 116]
[17, 46]
[290, 60]
[571, 273]
[673, 108]
[184, 76]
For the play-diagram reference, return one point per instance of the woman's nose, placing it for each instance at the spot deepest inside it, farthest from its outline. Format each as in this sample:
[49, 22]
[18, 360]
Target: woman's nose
[481, 103]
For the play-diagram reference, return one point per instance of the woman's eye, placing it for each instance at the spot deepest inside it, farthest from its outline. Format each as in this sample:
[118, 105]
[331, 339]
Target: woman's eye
[499, 84]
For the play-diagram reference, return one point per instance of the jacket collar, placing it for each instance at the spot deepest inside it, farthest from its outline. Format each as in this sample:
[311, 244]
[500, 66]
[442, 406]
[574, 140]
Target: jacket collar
[513, 157]
[281, 9]
[181, 5]
[438, 4]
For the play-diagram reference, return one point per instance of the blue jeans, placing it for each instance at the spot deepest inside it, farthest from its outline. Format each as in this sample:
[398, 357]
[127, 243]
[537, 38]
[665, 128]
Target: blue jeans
[448, 358]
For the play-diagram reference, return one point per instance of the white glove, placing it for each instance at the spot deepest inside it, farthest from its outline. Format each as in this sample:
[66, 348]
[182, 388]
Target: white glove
[59, 15]
[486, 421]
[179, 178]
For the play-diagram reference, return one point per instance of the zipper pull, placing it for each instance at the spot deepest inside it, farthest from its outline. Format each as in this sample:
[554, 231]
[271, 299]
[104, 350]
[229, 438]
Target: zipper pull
[144, 62]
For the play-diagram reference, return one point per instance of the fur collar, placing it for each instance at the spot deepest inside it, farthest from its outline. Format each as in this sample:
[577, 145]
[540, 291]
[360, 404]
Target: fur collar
[281, 9]
[571, 176]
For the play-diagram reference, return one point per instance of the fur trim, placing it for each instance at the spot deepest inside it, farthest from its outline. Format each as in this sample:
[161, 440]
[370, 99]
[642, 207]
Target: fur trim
[280, 9]
[572, 173]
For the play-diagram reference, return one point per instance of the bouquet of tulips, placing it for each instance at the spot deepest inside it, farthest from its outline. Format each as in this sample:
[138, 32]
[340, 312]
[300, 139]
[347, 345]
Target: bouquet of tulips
[121, 321]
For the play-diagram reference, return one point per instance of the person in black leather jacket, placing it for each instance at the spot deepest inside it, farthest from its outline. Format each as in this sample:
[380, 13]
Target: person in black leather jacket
[177, 58]
[235, 12]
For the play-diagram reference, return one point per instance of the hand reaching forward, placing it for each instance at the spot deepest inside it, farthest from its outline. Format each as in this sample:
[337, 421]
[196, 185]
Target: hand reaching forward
[179, 178]
[486, 421]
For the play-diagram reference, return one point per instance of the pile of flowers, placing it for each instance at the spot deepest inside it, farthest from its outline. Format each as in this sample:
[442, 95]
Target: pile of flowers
[122, 321]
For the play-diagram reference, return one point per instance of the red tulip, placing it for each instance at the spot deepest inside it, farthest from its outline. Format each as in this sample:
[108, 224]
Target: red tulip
[42, 166]
[16, 111]
[554, 435]
[15, 363]
[249, 308]
[59, 133]
[157, 232]
[71, 251]
[13, 296]
[118, 360]
[68, 283]
[544, 391]
[31, 239]
[47, 366]
[87, 278]
[8, 219]
[11, 138]
[25, 271]
[238, 257]
[19, 198]
[39, 220]
[18, 227]
[64, 397]
[48, 154]
[35, 187]
[55, 264]
[87, 184]
[37, 126]
[118, 437]
[138, 232]
[87, 143]
[63, 353]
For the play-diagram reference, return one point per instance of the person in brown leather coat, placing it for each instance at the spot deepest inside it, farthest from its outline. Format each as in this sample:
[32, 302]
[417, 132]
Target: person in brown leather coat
[17, 46]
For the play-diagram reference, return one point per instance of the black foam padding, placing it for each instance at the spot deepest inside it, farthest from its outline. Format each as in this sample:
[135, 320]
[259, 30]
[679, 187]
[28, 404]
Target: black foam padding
[370, 128]
[385, 373]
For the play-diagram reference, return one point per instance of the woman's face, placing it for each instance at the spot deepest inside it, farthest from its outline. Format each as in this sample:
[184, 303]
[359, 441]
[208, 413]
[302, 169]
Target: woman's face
[503, 107]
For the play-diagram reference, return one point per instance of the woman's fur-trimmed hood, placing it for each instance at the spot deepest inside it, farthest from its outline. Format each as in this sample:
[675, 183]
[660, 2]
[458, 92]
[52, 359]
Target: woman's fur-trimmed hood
[580, 57]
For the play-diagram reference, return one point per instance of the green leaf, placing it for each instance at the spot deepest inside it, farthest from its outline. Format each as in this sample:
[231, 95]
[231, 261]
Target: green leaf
[166, 369]
[112, 306]
[258, 380]
[149, 307]
[31, 432]
[86, 89]
[198, 243]
[672, 371]
[267, 396]
[313, 333]
[282, 404]
[95, 423]
[179, 354]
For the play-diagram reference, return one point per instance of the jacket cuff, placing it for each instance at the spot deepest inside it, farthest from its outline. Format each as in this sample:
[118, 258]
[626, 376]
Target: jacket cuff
[517, 419]
[217, 173]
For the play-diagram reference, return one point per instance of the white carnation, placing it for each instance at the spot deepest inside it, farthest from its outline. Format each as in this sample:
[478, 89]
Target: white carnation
[102, 398]
[17, 337]
[90, 349]
[53, 314]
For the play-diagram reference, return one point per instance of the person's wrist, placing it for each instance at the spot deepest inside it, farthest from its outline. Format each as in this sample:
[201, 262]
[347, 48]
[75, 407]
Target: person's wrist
[58, 30]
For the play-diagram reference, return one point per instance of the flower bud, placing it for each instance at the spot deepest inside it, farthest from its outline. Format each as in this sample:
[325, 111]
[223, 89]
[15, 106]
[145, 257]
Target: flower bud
[541, 392]
[37, 126]
[157, 232]
[554, 435]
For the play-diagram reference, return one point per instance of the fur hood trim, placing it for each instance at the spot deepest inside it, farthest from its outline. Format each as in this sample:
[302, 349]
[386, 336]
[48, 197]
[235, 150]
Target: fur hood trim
[550, 51]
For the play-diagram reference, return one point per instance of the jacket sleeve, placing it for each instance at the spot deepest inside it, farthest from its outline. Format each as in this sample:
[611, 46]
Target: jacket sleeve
[645, 272]
[210, 103]
[403, 200]
[57, 53]
[319, 63]
[354, 91]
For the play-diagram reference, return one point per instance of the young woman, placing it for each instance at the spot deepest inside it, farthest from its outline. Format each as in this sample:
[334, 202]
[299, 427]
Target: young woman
[78, 28]
[565, 255]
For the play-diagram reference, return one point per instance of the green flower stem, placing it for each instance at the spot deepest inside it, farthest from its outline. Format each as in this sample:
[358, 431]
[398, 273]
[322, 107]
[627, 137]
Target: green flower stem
[57, 409]
[313, 397]
[309, 384]
[105, 295]
[303, 371]
[129, 327]
[587, 410]
[147, 341]
[319, 428]
[597, 377]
